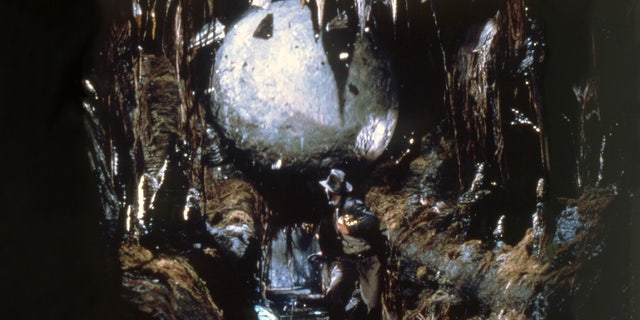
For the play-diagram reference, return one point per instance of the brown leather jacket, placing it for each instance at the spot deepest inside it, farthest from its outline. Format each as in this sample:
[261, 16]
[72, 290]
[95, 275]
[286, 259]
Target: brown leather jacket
[364, 235]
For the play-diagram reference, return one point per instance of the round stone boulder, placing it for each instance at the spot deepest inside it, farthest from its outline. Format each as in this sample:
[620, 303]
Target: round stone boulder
[275, 94]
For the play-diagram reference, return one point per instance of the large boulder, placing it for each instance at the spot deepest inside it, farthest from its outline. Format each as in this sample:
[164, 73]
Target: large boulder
[276, 97]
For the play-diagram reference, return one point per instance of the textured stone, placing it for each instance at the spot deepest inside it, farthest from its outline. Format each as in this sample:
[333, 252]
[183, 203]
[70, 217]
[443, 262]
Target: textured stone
[276, 97]
[163, 287]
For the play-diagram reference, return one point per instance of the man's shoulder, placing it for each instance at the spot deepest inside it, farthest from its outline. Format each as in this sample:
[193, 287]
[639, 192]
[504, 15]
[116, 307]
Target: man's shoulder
[360, 220]
[356, 207]
[352, 203]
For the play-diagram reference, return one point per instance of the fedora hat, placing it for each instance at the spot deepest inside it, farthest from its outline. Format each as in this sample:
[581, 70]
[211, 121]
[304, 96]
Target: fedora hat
[335, 182]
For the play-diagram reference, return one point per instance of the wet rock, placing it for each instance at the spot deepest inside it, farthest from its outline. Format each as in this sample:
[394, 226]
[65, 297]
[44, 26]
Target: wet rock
[159, 151]
[234, 210]
[568, 226]
[435, 271]
[163, 287]
[157, 118]
[494, 99]
[229, 255]
[276, 98]
[538, 225]
[234, 239]
[579, 228]
[480, 206]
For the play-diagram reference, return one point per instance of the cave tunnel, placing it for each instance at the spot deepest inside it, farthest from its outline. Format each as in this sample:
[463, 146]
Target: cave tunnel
[494, 140]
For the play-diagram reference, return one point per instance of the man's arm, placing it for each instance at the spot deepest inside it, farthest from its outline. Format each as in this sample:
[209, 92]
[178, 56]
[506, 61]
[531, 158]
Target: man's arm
[330, 246]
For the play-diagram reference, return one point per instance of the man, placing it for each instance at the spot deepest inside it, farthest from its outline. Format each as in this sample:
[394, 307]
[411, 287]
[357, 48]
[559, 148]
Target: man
[351, 237]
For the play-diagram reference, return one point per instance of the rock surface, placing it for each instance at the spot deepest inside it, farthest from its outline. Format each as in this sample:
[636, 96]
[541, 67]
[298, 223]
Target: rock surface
[275, 95]
[230, 251]
[438, 270]
[163, 287]
[233, 212]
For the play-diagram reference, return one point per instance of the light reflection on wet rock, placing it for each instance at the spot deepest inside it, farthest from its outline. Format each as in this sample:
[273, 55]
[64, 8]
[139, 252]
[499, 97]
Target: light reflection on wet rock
[276, 96]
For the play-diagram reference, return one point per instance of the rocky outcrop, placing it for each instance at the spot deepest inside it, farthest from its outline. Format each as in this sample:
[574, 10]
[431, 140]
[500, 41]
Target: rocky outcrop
[163, 287]
[234, 213]
[437, 269]
[231, 236]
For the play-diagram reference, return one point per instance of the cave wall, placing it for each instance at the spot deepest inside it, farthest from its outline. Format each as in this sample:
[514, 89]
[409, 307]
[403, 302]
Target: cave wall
[535, 118]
